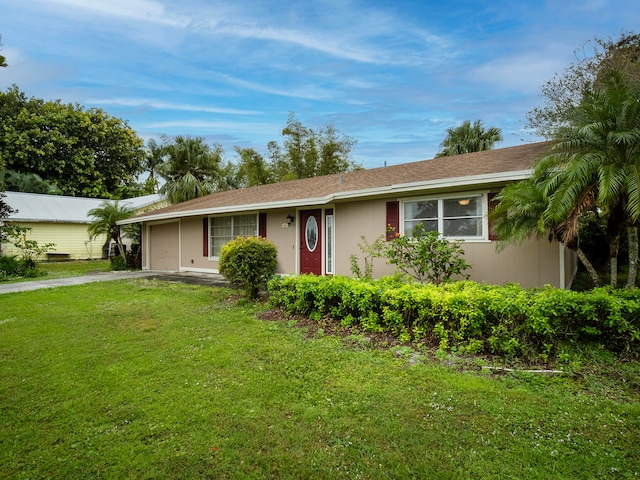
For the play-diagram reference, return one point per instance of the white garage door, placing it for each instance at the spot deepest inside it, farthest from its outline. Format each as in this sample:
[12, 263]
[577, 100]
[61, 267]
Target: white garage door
[164, 246]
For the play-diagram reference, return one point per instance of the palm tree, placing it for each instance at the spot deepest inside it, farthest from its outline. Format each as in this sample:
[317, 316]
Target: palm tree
[597, 161]
[154, 157]
[468, 138]
[191, 169]
[105, 221]
[520, 214]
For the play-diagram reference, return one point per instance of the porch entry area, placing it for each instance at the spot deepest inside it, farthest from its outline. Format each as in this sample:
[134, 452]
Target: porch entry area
[316, 241]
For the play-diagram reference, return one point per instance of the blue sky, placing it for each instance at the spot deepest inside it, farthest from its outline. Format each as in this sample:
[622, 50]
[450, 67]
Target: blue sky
[392, 74]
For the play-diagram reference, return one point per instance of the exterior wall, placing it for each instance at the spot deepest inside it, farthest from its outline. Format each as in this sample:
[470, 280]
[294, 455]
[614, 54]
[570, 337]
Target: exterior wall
[537, 262]
[69, 238]
[284, 237]
[352, 222]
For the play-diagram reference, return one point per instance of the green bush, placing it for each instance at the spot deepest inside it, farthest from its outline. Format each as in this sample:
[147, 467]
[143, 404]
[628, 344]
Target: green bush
[249, 262]
[12, 267]
[503, 320]
[426, 256]
[118, 263]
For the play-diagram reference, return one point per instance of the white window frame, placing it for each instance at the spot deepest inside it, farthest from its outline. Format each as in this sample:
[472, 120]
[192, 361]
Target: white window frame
[233, 234]
[441, 198]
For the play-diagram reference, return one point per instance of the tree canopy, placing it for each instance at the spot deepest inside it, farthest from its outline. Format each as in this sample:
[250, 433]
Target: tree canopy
[593, 164]
[82, 152]
[468, 138]
[191, 169]
[303, 153]
[564, 92]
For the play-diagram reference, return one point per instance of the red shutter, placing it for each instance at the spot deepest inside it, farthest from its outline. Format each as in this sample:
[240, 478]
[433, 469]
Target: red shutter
[393, 219]
[492, 203]
[262, 225]
[205, 237]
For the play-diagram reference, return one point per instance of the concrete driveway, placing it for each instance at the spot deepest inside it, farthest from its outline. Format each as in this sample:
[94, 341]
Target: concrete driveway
[193, 278]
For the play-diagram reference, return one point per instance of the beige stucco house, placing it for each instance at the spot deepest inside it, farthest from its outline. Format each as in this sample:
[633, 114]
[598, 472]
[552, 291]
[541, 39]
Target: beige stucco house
[64, 221]
[317, 223]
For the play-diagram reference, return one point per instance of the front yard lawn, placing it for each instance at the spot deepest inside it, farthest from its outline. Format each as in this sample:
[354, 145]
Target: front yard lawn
[146, 379]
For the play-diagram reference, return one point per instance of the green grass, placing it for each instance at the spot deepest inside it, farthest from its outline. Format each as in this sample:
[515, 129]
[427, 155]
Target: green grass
[145, 379]
[75, 268]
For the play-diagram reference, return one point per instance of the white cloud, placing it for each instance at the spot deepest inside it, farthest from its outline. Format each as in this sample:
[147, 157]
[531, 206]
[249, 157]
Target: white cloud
[141, 10]
[156, 104]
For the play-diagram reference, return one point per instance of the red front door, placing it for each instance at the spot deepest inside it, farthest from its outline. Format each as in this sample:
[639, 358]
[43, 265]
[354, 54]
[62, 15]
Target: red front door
[311, 242]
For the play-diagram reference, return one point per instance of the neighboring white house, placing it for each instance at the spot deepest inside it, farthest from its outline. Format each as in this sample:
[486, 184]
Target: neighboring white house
[64, 221]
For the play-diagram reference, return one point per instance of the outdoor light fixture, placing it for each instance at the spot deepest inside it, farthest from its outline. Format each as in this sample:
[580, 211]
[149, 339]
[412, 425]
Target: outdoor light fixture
[290, 219]
[464, 201]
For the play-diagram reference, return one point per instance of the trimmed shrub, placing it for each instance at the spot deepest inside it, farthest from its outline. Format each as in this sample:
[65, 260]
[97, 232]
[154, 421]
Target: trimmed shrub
[249, 262]
[504, 320]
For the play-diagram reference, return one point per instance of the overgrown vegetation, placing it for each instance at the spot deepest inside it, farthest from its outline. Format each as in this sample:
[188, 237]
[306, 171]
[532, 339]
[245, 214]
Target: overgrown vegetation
[107, 381]
[423, 256]
[25, 264]
[536, 325]
[249, 262]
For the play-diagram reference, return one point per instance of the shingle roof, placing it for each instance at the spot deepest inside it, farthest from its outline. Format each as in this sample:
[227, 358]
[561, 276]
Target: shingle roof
[36, 207]
[505, 164]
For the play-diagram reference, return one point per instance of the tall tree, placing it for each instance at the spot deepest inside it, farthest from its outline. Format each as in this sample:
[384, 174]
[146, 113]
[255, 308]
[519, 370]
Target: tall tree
[565, 90]
[105, 222]
[307, 153]
[83, 152]
[154, 157]
[521, 213]
[191, 169]
[253, 167]
[597, 156]
[468, 138]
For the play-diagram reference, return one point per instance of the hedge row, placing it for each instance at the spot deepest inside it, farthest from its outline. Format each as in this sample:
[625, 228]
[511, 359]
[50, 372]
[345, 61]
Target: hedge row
[476, 318]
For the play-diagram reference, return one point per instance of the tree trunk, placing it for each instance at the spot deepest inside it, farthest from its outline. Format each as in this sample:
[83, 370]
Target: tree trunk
[632, 232]
[614, 225]
[589, 266]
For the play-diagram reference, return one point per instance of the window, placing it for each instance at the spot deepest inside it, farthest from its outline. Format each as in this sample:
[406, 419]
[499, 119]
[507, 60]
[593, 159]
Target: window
[330, 243]
[456, 217]
[225, 229]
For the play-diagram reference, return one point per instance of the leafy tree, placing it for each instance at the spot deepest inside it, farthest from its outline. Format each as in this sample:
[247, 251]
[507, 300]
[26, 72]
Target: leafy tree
[307, 153]
[191, 169]
[105, 219]
[82, 152]
[565, 91]
[253, 167]
[28, 183]
[468, 138]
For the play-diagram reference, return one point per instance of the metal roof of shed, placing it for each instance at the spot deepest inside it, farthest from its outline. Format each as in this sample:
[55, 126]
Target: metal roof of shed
[36, 207]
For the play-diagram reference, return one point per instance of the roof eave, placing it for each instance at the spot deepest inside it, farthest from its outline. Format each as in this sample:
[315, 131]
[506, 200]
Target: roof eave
[474, 180]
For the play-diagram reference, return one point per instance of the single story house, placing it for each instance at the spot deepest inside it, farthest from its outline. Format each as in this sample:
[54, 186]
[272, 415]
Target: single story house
[64, 221]
[317, 223]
